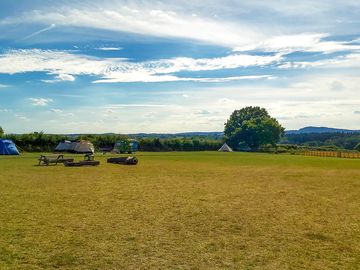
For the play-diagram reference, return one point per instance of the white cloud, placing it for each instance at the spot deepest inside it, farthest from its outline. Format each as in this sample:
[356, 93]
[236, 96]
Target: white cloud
[66, 77]
[61, 78]
[142, 18]
[65, 65]
[150, 115]
[40, 101]
[226, 101]
[306, 42]
[109, 49]
[114, 106]
[337, 86]
[230, 24]
[345, 61]
[22, 117]
[203, 112]
[56, 110]
[3, 85]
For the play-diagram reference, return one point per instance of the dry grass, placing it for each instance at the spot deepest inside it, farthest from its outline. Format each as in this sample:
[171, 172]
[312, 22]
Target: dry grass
[182, 211]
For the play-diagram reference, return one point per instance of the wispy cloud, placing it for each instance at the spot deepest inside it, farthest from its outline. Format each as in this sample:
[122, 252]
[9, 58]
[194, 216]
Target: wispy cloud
[109, 49]
[40, 101]
[305, 42]
[66, 65]
[114, 106]
[351, 60]
[40, 31]
[143, 19]
[22, 117]
[56, 110]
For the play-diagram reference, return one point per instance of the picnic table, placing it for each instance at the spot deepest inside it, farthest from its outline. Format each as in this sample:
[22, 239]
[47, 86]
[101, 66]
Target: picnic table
[47, 160]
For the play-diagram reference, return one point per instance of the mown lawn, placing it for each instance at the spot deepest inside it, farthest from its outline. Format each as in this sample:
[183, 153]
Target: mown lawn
[182, 211]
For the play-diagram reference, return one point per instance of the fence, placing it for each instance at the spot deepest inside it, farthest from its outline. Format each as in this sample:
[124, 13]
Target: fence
[331, 154]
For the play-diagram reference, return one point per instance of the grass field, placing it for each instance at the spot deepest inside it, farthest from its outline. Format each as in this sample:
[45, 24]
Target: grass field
[182, 211]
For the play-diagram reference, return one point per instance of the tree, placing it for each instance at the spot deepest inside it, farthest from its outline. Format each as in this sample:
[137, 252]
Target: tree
[1, 132]
[253, 126]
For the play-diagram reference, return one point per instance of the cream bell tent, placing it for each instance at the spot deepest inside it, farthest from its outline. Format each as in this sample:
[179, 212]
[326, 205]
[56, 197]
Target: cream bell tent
[84, 147]
[225, 148]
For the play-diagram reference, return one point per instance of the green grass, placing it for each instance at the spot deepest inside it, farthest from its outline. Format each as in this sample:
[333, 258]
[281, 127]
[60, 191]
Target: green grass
[182, 211]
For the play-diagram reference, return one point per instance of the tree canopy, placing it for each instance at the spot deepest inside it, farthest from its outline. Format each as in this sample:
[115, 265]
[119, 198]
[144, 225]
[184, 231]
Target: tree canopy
[1, 131]
[253, 126]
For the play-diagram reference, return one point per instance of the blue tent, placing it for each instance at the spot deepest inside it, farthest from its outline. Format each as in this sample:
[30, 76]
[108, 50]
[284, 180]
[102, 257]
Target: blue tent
[8, 147]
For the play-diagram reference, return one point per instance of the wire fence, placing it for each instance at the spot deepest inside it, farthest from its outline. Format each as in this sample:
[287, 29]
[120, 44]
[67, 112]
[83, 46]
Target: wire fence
[331, 154]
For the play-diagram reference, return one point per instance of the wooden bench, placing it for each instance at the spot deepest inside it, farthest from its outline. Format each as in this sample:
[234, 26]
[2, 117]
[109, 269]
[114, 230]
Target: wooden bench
[88, 161]
[123, 160]
[47, 160]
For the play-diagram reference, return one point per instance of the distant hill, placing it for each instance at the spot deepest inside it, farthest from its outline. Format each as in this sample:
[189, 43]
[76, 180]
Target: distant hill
[320, 130]
[173, 135]
[218, 134]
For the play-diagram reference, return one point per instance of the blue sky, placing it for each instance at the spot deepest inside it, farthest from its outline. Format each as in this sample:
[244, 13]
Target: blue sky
[174, 66]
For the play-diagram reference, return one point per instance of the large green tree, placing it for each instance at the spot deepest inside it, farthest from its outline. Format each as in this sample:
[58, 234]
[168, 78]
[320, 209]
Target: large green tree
[253, 126]
[1, 132]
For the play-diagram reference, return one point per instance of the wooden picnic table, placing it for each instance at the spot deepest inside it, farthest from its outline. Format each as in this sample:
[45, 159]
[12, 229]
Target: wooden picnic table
[47, 160]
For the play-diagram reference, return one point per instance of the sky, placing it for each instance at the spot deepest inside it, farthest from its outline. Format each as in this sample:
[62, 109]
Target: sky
[176, 66]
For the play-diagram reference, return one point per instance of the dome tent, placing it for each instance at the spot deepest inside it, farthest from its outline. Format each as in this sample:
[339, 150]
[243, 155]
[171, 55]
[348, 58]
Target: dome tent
[8, 147]
[80, 147]
[65, 146]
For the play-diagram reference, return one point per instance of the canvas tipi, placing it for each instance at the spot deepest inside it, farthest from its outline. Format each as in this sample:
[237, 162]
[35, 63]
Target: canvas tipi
[225, 148]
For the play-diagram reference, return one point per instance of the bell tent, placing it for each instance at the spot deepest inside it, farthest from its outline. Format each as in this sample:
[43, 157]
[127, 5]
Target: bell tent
[225, 148]
[84, 147]
[8, 147]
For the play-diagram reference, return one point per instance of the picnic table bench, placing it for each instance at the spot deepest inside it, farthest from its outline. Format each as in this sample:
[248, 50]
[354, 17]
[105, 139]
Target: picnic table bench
[47, 160]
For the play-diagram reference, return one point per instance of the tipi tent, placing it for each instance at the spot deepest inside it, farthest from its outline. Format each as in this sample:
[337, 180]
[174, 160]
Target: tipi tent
[225, 148]
[8, 147]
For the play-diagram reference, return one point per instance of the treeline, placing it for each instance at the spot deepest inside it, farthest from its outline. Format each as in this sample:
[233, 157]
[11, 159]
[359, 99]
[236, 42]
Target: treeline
[347, 141]
[35, 142]
[40, 142]
[179, 144]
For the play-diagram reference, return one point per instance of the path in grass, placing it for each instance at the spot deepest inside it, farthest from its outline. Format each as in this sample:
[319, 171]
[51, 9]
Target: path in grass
[182, 211]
